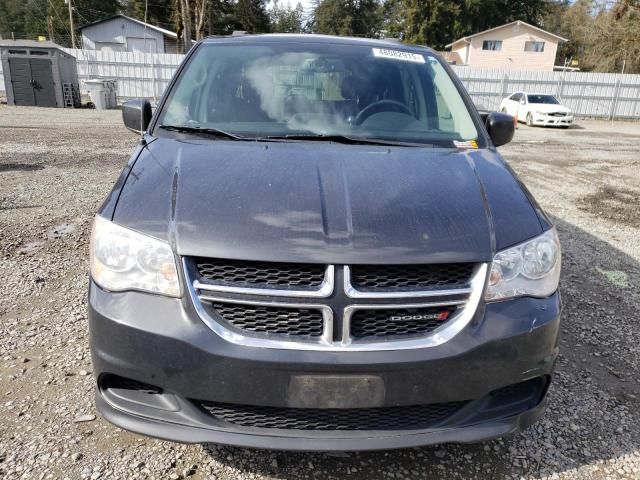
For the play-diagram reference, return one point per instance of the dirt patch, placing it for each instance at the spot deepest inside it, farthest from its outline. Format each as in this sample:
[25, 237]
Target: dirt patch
[617, 204]
[24, 167]
[590, 431]
[61, 230]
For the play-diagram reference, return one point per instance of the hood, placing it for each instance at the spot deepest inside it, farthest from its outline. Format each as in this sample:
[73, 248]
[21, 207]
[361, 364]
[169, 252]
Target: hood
[548, 108]
[320, 202]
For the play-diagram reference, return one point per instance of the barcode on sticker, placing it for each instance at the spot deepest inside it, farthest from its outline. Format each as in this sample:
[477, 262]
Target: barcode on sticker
[398, 55]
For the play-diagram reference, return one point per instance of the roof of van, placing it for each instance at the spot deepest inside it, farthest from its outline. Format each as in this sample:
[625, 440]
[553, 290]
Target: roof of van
[314, 38]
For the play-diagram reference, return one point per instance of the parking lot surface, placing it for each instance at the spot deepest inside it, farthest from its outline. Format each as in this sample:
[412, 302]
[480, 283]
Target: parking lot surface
[56, 167]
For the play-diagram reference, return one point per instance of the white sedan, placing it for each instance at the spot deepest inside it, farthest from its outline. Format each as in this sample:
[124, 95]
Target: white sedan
[537, 109]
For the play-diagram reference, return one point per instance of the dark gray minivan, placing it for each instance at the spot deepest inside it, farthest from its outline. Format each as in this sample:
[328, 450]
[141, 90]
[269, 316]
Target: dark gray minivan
[316, 246]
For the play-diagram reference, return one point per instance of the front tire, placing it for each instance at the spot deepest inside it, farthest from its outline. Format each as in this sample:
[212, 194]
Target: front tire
[529, 120]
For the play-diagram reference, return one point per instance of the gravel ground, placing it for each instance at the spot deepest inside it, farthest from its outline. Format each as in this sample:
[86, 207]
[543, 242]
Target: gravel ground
[56, 166]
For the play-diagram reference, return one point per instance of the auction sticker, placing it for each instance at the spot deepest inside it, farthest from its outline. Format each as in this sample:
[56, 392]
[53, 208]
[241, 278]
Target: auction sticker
[398, 55]
[466, 144]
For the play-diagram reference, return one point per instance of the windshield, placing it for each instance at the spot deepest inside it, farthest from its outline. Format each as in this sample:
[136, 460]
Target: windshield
[313, 89]
[542, 99]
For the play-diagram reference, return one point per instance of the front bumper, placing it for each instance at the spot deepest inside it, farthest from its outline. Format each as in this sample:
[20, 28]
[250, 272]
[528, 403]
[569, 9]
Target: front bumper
[162, 342]
[548, 120]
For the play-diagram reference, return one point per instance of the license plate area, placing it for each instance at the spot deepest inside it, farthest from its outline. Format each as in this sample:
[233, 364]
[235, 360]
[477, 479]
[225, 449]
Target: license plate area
[336, 391]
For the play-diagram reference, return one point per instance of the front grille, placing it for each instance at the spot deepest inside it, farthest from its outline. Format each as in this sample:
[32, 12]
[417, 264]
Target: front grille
[274, 320]
[387, 278]
[382, 418]
[393, 322]
[557, 114]
[260, 274]
[306, 306]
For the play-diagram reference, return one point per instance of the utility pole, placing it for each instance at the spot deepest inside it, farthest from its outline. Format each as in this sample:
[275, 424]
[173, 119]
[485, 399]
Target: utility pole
[73, 33]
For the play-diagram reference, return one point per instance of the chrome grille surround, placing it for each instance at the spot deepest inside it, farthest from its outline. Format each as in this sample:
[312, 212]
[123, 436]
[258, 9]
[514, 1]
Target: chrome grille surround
[324, 289]
[268, 319]
[270, 340]
[250, 274]
[337, 309]
[353, 292]
[420, 277]
[400, 322]
[257, 340]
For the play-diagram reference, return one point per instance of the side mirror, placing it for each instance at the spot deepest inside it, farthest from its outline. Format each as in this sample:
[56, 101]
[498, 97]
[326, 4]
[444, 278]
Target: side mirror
[522, 102]
[500, 127]
[136, 114]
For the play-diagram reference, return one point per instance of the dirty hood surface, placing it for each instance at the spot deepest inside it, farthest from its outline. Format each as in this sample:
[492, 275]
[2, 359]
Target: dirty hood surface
[322, 202]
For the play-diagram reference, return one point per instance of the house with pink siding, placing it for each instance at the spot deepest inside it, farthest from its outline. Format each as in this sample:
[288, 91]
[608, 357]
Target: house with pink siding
[516, 45]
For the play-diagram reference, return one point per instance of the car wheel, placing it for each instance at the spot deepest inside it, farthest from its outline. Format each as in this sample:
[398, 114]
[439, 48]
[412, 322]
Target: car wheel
[529, 119]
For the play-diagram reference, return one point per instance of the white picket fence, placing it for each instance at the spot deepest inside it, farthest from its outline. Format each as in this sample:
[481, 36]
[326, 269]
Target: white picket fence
[600, 95]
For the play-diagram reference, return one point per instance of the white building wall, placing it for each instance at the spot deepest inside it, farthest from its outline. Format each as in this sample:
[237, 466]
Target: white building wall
[121, 34]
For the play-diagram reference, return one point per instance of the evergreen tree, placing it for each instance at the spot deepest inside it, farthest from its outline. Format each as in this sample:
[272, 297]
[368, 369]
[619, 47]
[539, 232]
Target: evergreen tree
[348, 17]
[86, 11]
[252, 16]
[394, 19]
[221, 18]
[286, 19]
[49, 18]
[432, 22]
[159, 12]
[12, 17]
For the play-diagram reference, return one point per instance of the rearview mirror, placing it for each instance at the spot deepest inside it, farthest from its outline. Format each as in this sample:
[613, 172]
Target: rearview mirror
[136, 114]
[500, 127]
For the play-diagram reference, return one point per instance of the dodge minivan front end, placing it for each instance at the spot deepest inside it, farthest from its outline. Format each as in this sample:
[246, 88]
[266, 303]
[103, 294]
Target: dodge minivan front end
[316, 246]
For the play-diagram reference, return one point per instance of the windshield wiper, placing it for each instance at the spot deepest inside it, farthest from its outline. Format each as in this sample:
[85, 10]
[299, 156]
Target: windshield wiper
[213, 132]
[216, 132]
[343, 139]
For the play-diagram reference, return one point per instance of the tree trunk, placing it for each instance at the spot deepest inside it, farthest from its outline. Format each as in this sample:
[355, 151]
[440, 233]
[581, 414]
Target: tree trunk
[177, 17]
[186, 25]
[201, 16]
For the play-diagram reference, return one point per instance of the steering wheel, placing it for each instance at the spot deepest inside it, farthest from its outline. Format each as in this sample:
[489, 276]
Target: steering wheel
[381, 106]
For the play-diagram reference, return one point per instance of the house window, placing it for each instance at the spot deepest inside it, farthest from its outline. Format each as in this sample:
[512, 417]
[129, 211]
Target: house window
[534, 46]
[492, 45]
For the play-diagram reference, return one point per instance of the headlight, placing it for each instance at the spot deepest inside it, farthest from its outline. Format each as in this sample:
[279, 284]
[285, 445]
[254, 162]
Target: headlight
[122, 259]
[531, 268]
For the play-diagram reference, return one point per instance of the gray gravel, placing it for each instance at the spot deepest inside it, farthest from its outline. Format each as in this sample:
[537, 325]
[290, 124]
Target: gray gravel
[56, 166]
